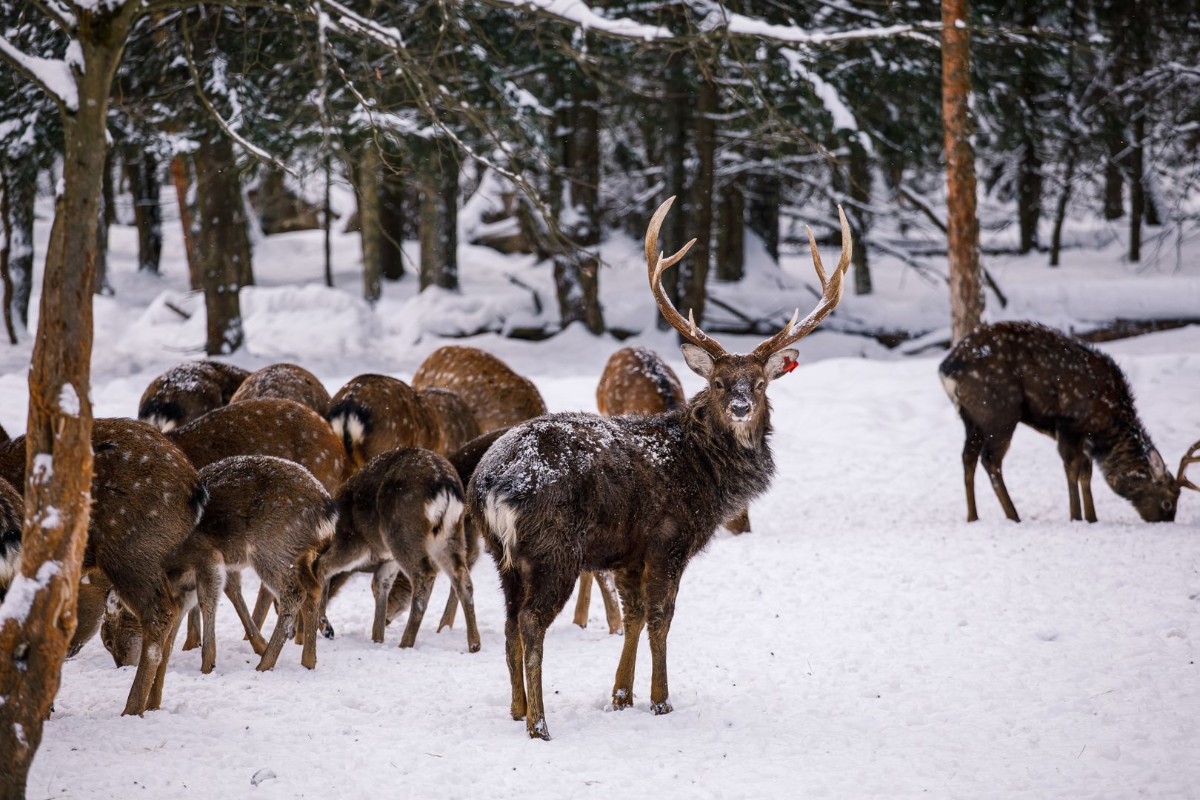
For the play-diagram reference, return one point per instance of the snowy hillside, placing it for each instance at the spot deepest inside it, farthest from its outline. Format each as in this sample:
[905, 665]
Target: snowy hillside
[863, 641]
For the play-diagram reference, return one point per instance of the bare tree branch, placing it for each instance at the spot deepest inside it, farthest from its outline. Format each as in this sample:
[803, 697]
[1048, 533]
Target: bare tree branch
[51, 75]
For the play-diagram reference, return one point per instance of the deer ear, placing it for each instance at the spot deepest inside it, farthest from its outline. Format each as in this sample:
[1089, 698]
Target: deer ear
[697, 359]
[781, 363]
[1157, 468]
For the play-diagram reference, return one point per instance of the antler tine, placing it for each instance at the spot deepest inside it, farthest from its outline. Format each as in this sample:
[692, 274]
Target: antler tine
[656, 265]
[831, 295]
[1189, 457]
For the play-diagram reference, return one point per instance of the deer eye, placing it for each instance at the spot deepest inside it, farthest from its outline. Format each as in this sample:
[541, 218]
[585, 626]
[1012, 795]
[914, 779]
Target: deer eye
[759, 384]
[720, 384]
[1167, 505]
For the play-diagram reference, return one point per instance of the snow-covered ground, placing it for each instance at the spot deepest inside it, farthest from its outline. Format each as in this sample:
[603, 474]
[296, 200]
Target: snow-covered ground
[863, 641]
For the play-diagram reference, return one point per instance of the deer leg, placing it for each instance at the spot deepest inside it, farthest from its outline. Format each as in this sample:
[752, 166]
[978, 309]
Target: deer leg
[533, 634]
[583, 599]
[455, 567]
[160, 675]
[309, 610]
[1085, 484]
[514, 651]
[332, 570]
[261, 606]
[612, 606]
[660, 602]
[422, 587]
[288, 603]
[154, 630]
[1071, 451]
[993, 455]
[970, 457]
[400, 597]
[629, 584]
[381, 587]
[210, 578]
[233, 590]
[472, 540]
[192, 640]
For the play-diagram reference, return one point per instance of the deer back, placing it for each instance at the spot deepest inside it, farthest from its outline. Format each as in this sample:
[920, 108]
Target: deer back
[267, 427]
[496, 395]
[455, 419]
[636, 380]
[285, 382]
[188, 391]
[372, 414]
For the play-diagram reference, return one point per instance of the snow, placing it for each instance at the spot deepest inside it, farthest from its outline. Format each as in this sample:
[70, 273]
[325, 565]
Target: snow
[863, 641]
[23, 590]
[53, 74]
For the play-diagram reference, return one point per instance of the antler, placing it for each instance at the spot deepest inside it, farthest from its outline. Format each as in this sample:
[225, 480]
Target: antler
[831, 295]
[655, 265]
[1189, 457]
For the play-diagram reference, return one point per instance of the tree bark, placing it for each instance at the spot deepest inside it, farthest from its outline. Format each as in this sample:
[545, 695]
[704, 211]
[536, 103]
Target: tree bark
[181, 178]
[1029, 165]
[693, 273]
[366, 188]
[141, 167]
[21, 194]
[393, 217]
[34, 637]
[103, 220]
[677, 111]
[859, 191]
[1060, 211]
[221, 244]
[962, 229]
[763, 216]
[731, 233]
[437, 170]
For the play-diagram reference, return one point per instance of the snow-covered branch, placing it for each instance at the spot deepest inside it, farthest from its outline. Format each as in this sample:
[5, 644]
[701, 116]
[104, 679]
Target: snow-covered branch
[581, 15]
[56, 11]
[52, 75]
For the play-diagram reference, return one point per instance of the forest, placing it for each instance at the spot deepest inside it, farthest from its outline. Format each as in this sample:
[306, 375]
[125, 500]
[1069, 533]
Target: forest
[353, 184]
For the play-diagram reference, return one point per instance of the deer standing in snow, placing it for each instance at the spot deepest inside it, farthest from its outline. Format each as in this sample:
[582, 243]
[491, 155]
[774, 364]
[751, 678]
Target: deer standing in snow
[1011, 372]
[636, 495]
[284, 382]
[372, 414]
[497, 396]
[188, 391]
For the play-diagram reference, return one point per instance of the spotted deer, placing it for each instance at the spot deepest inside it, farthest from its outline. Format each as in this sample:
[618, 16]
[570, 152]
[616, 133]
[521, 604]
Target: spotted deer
[455, 419]
[402, 512]
[372, 414]
[269, 514]
[187, 391]
[146, 498]
[1012, 372]
[637, 495]
[497, 396]
[12, 518]
[284, 382]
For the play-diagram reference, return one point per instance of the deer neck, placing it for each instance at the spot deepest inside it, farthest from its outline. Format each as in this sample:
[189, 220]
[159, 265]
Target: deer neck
[739, 462]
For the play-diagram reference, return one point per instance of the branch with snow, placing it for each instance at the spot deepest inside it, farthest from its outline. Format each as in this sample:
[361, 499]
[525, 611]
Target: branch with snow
[51, 75]
[579, 14]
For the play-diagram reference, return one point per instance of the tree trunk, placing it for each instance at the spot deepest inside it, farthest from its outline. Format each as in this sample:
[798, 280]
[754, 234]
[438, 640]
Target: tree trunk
[221, 243]
[141, 167]
[33, 642]
[962, 229]
[693, 273]
[366, 188]
[860, 194]
[438, 185]
[731, 233]
[5, 240]
[677, 110]
[181, 178]
[763, 217]
[105, 218]
[1140, 30]
[392, 217]
[1060, 212]
[1029, 165]
[21, 194]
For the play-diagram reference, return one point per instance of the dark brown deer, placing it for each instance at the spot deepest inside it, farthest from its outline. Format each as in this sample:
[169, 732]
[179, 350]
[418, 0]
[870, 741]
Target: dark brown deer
[636, 495]
[285, 382]
[402, 512]
[269, 514]
[1010, 372]
[455, 419]
[497, 396]
[188, 391]
[12, 518]
[372, 414]
[146, 498]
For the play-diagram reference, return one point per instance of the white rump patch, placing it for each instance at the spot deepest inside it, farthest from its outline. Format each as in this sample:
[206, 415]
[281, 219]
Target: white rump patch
[348, 423]
[162, 423]
[326, 528]
[10, 565]
[951, 387]
[502, 521]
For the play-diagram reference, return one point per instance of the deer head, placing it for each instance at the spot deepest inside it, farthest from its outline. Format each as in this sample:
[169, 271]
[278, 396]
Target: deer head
[737, 383]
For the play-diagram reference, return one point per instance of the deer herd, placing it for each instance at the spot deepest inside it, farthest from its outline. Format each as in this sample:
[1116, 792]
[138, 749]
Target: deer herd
[226, 469]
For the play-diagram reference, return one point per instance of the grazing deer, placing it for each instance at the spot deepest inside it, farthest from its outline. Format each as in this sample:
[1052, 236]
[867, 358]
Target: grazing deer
[285, 382]
[402, 512]
[12, 519]
[188, 391]
[269, 514]
[637, 495]
[146, 498]
[1010, 372]
[455, 419]
[497, 396]
[372, 414]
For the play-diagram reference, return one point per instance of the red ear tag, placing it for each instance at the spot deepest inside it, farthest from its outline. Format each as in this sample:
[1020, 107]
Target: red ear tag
[788, 366]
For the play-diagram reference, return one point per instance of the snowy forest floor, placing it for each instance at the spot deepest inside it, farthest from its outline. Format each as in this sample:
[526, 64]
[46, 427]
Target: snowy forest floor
[863, 641]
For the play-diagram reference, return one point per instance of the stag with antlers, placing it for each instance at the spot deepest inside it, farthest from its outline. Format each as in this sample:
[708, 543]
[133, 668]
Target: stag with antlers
[635, 495]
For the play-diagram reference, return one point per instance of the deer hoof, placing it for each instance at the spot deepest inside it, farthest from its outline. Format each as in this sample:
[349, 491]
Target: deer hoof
[622, 699]
[661, 708]
[325, 628]
[473, 647]
[538, 730]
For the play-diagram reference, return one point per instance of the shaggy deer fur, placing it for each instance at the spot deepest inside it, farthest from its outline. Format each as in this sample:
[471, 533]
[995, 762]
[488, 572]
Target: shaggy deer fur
[188, 391]
[285, 382]
[497, 396]
[12, 519]
[1010, 372]
[635, 495]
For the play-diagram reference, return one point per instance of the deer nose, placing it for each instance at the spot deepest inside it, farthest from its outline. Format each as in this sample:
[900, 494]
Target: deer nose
[739, 407]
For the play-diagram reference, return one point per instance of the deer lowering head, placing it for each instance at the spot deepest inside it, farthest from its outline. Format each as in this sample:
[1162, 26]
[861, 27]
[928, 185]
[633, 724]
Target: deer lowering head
[637, 495]
[495, 394]
[1020, 372]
